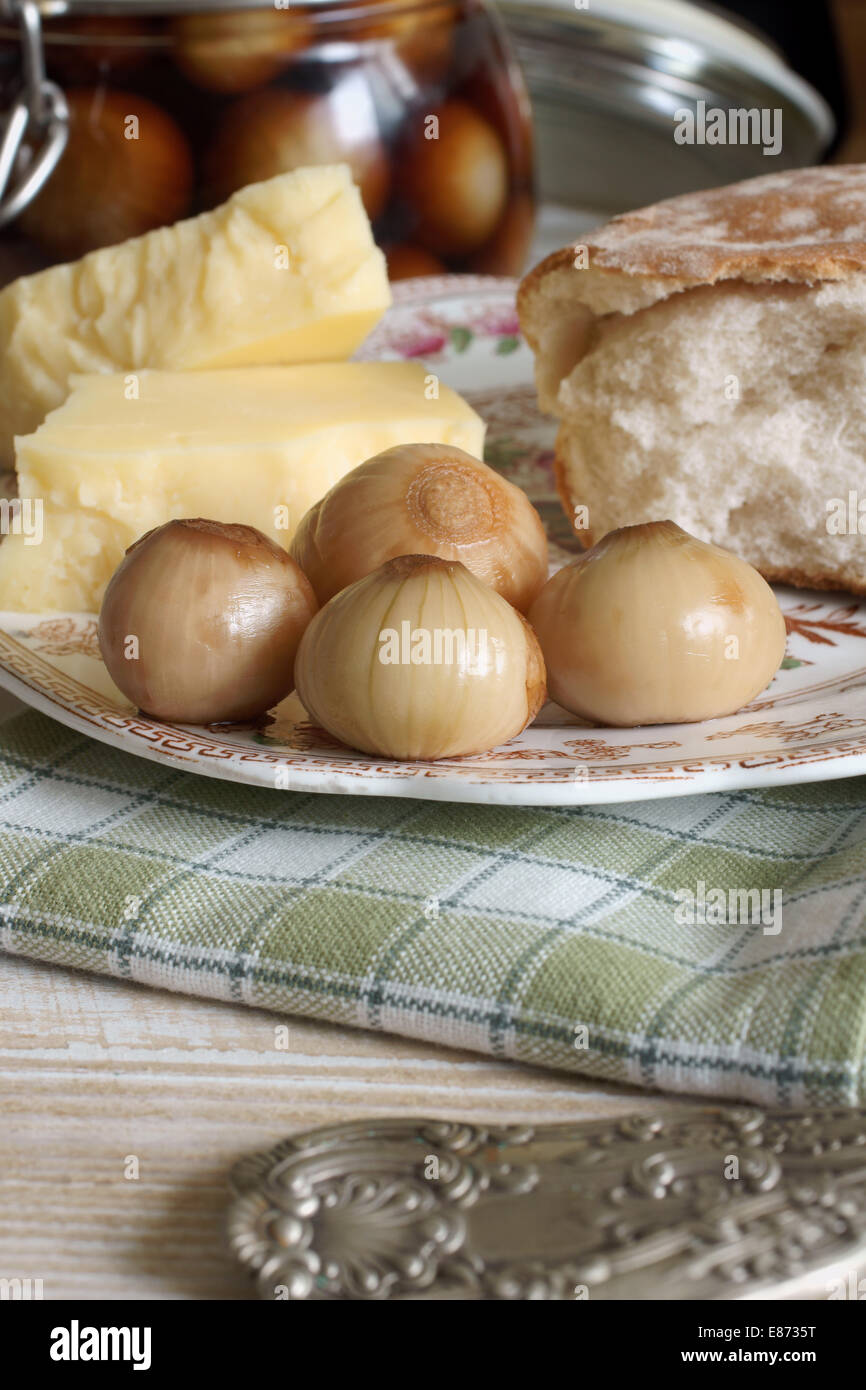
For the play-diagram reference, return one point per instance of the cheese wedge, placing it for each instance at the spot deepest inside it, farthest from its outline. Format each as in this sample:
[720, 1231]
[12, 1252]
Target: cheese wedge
[285, 271]
[256, 445]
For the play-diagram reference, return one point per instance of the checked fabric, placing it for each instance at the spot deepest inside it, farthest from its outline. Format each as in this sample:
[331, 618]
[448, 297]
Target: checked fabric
[545, 935]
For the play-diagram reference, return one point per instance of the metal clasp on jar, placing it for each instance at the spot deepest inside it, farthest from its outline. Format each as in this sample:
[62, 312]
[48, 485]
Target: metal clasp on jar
[36, 128]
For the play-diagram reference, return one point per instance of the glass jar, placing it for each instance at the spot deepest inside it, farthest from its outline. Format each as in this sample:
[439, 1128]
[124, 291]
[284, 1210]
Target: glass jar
[172, 107]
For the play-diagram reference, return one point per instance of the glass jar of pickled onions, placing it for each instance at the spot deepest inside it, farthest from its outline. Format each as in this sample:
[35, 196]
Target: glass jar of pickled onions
[130, 115]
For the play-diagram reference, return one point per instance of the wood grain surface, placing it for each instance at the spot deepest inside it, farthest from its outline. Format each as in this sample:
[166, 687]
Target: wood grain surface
[93, 1071]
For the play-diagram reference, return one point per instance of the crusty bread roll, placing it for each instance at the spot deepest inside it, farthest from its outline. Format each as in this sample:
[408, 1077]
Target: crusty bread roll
[709, 365]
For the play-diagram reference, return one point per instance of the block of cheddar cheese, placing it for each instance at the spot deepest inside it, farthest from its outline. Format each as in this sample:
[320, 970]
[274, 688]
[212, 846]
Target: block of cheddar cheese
[285, 271]
[256, 445]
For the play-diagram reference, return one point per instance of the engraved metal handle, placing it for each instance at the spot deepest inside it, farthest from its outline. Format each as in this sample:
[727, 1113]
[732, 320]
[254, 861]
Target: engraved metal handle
[693, 1203]
[36, 129]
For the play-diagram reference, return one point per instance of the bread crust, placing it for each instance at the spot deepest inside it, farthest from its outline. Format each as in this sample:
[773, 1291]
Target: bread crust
[802, 225]
[799, 579]
[560, 476]
[796, 578]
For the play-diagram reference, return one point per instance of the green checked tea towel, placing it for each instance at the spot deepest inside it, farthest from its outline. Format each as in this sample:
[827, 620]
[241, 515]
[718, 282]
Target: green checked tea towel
[580, 939]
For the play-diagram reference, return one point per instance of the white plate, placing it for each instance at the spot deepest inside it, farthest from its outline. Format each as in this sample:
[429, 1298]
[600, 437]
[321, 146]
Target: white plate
[810, 725]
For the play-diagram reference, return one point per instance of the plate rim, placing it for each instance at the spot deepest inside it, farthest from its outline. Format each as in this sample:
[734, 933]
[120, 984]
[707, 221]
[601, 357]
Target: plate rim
[569, 793]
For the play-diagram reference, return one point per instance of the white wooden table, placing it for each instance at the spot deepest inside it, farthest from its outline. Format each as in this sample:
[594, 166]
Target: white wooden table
[93, 1071]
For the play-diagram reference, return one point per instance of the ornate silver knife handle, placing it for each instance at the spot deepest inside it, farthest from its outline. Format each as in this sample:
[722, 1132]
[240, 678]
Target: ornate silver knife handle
[712, 1203]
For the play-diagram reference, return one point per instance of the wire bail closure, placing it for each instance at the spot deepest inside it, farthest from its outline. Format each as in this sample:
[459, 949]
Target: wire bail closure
[36, 128]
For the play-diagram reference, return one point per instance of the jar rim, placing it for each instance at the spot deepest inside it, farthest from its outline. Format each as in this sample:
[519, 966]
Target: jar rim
[340, 13]
[167, 9]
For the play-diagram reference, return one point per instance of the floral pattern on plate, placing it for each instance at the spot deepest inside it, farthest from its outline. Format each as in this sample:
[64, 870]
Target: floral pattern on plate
[810, 724]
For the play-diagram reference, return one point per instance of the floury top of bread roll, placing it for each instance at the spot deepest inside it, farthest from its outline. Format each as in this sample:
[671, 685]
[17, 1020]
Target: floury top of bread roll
[706, 358]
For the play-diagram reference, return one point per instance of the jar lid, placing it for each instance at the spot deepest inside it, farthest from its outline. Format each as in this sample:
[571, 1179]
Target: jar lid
[609, 81]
